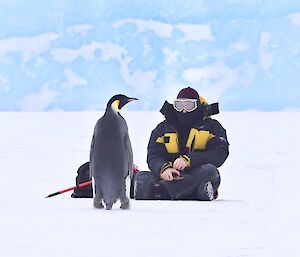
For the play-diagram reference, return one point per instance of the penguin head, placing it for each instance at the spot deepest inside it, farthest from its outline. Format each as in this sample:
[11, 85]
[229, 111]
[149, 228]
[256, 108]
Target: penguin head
[118, 101]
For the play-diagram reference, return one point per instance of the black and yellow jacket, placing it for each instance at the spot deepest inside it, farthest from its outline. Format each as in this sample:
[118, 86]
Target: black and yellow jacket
[205, 142]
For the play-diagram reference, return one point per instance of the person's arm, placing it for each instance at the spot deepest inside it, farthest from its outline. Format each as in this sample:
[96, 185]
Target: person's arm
[156, 153]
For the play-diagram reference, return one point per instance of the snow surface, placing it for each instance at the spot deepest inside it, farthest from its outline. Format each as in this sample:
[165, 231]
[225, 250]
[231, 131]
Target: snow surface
[257, 213]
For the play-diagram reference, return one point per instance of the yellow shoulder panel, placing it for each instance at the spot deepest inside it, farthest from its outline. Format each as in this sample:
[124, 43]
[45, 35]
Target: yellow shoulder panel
[197, 140]
[170, 140]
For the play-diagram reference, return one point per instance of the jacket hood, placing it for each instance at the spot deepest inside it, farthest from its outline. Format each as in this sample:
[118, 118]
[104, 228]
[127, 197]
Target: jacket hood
[205, 111]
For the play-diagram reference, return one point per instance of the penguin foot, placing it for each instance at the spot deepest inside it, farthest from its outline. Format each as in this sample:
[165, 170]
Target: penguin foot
[125, 205]
[98, 204]
[109, 206]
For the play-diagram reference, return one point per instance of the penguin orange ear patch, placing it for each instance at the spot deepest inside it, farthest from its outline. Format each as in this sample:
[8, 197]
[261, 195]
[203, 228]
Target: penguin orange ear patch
[115, 105]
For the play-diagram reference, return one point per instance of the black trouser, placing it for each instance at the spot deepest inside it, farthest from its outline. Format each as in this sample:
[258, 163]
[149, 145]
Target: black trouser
[146, 185]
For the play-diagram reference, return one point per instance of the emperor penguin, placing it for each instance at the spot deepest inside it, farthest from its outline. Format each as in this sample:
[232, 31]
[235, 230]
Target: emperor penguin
[111, 156]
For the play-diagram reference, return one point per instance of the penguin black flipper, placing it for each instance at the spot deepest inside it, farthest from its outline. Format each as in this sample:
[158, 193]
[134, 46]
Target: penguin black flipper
[129, 153]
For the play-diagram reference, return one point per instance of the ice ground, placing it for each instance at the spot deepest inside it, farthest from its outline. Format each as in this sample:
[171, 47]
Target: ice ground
[257, 213]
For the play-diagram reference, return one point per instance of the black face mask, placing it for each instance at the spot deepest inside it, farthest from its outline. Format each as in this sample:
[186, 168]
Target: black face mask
[186, 119]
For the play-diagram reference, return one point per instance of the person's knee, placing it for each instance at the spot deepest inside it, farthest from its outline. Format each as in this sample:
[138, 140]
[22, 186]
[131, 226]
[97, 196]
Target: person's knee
[208, 172]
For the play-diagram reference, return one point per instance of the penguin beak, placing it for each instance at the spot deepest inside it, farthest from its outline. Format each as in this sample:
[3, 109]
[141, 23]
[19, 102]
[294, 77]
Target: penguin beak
[131, 99]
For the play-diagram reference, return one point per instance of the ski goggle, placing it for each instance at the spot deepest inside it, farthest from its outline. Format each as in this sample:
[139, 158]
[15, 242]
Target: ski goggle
[188, 105]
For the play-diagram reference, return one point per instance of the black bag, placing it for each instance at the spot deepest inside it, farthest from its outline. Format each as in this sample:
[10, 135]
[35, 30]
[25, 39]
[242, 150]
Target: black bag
[147, 187]
[83, 175]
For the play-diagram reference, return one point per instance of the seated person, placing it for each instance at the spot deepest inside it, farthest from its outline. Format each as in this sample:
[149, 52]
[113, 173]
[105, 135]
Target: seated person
[184, 152]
